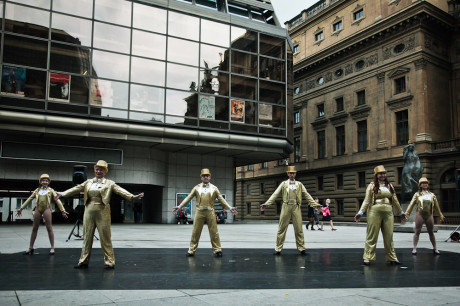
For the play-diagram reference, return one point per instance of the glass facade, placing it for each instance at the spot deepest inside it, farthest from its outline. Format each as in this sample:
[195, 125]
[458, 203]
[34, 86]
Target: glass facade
[111, 59]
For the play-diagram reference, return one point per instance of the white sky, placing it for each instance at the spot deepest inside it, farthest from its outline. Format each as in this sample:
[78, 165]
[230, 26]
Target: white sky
[287, 9]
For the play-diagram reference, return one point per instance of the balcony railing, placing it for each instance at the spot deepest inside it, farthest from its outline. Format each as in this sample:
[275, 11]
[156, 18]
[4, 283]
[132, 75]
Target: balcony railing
[449, 145]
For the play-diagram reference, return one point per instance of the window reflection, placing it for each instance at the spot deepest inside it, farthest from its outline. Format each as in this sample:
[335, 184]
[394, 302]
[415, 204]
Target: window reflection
[271, 115]
[114, 11]
[182, 77]
[271, 69]
[147, 99]
[82, 8]
[214, 57]
[149, 45]
[110, 65]
[182, 51]
[181, 103]
[79, 89]
[183, 26]
[109, 113]
[147, 71]
[243, 39]
[109, 93]
[27, 21]
[69, 58]
[111, 37]
[70, 29]
[22, 82]
[245, 88]
[143, 18]
[272, 46]
[181, 121]
[214, 82]
[39, 3]
[271, 92]
[215, 33]
[213, 108]
[25, 51]
[244, 63]
[146, 117]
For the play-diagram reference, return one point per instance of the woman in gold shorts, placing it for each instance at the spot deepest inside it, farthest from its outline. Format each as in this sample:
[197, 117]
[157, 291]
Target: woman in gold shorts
[43, 196]
[426, 202]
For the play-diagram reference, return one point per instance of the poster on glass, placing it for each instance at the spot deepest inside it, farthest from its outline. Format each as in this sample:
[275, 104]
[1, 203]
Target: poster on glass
[59, 87]
[188, 207]
[207, 107]
[13, 80]
[237, 111]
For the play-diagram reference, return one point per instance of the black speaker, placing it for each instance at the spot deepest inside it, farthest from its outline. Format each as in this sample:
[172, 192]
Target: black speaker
[79, 174]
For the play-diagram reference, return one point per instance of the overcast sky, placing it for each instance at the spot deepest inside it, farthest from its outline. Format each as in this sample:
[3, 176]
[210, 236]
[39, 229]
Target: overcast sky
[287, 9]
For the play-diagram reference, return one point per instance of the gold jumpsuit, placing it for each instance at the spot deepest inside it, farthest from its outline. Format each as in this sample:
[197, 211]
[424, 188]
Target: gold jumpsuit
[426, 202]
[97, 195]
[380, 218]
[292, 192]
[43, 197]
[206, 195]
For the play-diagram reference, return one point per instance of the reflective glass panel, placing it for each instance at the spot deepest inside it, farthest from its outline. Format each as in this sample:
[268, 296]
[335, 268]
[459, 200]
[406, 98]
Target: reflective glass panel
[181, 103]
[214, 57]
[111, 37]
[181, 121]
[245, 88]
[25, 51]
[146, 117]
[272, 69]
[25, 20]
[182, 77]
[244, 63]
[70, 58]
[109, 93]
[243, 111]
[110, 65]
[114, 11]
[79, 90]
[271, 92]
[147, 71]
[22, 82]
[183, 51]
[149, 45]
[272, 46]
[38, 3]
[183, 26]
[243, 39]
[272, 115]
[109, 113]
[215, 33]
[147, 99]
[214, 82]
[82, 8]
[213, 108]
[71, 29]
[143, 18]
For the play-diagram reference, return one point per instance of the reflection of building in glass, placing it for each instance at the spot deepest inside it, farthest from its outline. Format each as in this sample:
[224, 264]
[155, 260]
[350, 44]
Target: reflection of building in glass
[154, 81]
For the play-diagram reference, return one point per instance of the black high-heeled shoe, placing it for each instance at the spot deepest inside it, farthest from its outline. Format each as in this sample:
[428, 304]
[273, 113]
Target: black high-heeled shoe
[436, 253]
[396, 263]
[367, 263]
[29, 252]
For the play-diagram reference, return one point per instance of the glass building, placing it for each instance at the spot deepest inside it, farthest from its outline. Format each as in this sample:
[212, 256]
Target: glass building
[159, 89]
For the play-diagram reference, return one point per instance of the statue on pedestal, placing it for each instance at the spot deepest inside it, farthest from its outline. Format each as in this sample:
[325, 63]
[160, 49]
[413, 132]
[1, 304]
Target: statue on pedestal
[411, 173]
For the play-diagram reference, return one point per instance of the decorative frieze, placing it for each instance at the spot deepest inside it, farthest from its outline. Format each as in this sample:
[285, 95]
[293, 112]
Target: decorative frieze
[399, 47]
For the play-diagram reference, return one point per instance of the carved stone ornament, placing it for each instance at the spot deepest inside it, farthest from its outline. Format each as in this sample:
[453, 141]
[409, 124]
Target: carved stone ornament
[400, 103]
[319, 123]
[420, 64]
[381, 77]
[361, 111]
[398, 72]
[339, 118]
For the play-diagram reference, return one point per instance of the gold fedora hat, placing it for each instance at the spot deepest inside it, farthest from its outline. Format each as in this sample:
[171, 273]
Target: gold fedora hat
[44, 176]
[291, 169]
[103, 164]
[423, 180]
[205, 171]
[379, 169]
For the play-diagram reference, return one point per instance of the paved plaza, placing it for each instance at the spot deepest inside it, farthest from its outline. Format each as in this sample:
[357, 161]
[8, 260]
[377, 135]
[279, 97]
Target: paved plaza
[151, 268]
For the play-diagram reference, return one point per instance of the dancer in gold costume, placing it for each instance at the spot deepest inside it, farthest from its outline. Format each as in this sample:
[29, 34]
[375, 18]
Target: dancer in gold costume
[426, 202]
[43, 196]
[97, 193]
[292, 193]
[379, 202]
[206, 194]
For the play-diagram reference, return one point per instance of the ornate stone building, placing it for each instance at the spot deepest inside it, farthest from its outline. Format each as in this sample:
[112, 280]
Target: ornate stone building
[369, 78]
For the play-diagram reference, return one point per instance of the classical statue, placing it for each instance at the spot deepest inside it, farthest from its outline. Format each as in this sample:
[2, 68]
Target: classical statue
[411, 173]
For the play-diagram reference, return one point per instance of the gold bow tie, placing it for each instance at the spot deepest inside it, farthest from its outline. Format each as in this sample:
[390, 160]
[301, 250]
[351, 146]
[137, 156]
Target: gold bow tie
[96, 180]
[205, 185]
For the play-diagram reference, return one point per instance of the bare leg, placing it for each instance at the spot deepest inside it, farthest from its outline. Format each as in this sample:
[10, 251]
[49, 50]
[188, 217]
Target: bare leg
[37, 217]
[332, 225]
[418, 229]
[429, 228]
[49, 227]
[322, 223]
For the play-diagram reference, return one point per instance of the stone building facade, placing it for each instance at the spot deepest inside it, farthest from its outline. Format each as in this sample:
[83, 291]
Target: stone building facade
[369, 78]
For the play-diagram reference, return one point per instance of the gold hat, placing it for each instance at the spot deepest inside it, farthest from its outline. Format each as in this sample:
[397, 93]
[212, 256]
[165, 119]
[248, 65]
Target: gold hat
[379, 169]
[291, 169]
[103, 164]
[205, 172]
[44, 176]
[423, 180]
